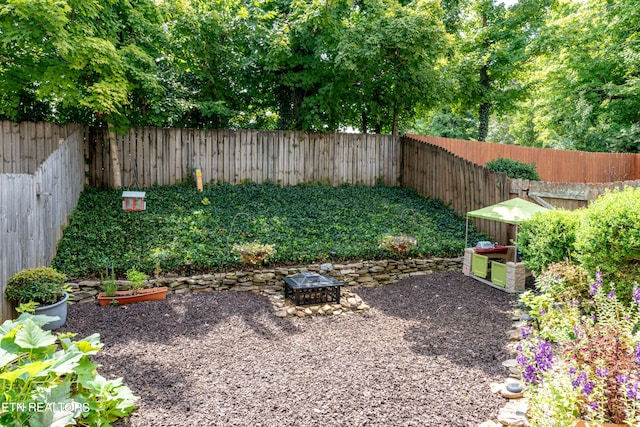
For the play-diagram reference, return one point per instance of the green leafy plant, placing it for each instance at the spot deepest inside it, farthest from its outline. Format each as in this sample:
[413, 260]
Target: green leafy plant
[548, 238]
[590, 374]
[514, 168]
[108, 284]
[136, 279]
[43, 285]
[564, 282]
[608, 239]
[253, 253]
[397, 244]
[49, 380]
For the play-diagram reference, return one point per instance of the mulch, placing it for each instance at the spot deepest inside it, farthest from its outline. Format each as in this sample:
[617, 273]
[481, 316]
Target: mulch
[424, 355]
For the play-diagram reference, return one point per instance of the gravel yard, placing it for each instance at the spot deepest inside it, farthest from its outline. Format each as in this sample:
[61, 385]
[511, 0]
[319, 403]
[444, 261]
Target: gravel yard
[424, 355]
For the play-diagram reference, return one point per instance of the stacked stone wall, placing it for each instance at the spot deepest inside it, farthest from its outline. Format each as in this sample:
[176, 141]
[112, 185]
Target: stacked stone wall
[354, 274]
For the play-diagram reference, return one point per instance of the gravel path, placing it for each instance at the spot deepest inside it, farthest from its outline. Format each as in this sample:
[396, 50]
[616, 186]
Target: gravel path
[424, 355]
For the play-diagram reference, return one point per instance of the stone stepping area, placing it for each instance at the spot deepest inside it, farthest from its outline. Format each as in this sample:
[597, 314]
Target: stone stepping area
[349, 303]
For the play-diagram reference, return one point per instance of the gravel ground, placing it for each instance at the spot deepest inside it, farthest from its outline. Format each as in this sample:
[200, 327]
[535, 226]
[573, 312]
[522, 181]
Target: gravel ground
[424, 355]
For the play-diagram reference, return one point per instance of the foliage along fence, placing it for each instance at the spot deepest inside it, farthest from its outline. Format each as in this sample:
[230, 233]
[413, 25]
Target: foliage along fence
[464, 186]
[35, 204]
[160, 156]
[552, 165]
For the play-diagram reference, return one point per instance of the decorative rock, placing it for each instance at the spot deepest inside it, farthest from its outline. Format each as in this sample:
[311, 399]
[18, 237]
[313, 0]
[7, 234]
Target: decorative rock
[326, 267]
[514, 413]
[281, 313]
[489, 423]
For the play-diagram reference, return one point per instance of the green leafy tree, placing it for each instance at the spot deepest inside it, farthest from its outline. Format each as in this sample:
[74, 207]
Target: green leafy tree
[587, 77]
[84, 61]
[493, 41]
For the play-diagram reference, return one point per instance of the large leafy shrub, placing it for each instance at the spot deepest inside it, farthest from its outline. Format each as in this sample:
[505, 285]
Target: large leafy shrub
[43, 285]
[514, 168]
[608, 239]
[48, 380]
[548, 238]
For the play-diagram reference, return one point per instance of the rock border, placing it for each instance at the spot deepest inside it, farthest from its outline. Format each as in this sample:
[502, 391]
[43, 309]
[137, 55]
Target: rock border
[356, 274]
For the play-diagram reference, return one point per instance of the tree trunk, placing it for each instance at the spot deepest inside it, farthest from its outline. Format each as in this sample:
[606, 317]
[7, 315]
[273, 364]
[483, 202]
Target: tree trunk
[115, 158]
[483, 121]
[364, 122]
[485, 107]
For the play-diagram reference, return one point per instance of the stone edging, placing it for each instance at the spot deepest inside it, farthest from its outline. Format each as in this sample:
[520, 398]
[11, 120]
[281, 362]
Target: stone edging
[356, 274]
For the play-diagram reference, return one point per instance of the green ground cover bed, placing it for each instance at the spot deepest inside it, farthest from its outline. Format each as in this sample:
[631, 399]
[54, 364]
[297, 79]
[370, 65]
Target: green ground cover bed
[306, 223]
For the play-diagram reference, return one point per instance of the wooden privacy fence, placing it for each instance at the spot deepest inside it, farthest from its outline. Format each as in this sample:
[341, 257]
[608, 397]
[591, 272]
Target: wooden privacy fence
[35, 206]
[160, 156]
[24, 146]
[552, 165]
[436, 173]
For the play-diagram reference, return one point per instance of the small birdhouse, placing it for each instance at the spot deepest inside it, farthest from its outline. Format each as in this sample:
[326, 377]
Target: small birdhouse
[133, 200]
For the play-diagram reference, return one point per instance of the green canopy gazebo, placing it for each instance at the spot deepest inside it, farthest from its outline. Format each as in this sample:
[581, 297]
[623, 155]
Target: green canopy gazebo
[509, 276]
[512, 211]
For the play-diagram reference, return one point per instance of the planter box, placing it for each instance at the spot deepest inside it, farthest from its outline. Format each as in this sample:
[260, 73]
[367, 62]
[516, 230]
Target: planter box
[130, 297]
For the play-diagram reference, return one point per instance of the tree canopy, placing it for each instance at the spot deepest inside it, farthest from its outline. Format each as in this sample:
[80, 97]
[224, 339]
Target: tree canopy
[555, 73]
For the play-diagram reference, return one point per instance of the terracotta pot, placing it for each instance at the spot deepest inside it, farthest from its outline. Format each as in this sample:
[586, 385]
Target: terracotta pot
[130, 297]
[582, 423]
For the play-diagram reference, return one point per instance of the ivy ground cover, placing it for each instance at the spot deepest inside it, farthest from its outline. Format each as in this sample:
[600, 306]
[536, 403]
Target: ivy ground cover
[306, 223]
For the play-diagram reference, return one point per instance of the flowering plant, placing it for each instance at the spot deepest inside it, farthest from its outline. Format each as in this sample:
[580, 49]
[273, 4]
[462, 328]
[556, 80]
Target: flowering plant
[397, 244]
[594, 374]
[253, 253]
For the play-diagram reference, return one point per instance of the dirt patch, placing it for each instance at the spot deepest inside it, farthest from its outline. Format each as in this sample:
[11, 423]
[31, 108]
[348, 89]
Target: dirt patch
[424, 355]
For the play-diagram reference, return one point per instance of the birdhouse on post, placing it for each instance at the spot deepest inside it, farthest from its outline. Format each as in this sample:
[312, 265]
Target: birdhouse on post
[133, 200]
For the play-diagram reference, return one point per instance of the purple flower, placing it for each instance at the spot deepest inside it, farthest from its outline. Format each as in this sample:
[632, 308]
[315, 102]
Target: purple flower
[599, 277]
[622, 378]
[579, 380]
[525, 331]
[542, 311]
[638, 353]
[602, 372]
[594, 405]
[612, 294]
[636, 295]
[575, 303]
[588, 387]
[632, 391]
[593, 290]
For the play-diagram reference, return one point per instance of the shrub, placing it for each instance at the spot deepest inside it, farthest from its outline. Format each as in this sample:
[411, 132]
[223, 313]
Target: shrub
[549, 237]
[253, 253]
[564, 282]
[42, 384]
[514, 168]
[43, 285]
[608, 239]
[397, 244]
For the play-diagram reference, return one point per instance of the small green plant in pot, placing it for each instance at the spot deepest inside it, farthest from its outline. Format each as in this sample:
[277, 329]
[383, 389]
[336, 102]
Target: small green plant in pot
[136, 279]
[109, 285]
[44, 286]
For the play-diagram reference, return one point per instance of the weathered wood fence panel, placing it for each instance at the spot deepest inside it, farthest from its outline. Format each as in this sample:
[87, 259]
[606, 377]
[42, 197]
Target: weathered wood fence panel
[436, 173]
[552, 165]
[157, 156]
[565, 195]
[35, 206]
[24, 146]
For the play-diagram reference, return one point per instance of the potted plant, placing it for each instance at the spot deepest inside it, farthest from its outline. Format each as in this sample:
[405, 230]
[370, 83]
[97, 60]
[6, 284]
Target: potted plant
[135, 293]
[253, 253]
[397, 244]
[44, 286]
